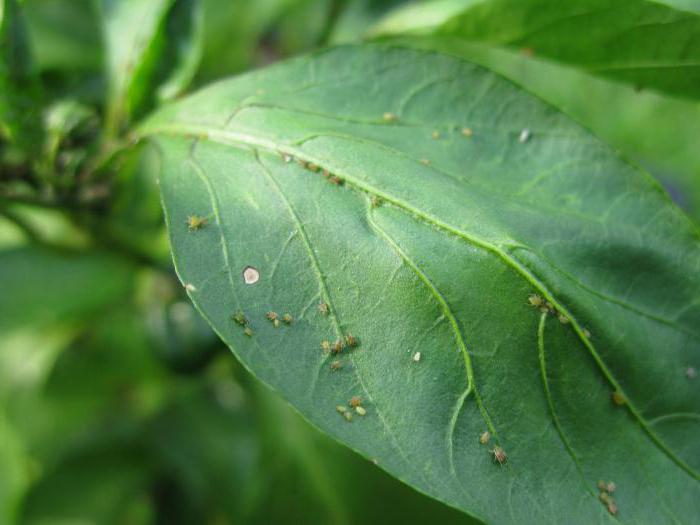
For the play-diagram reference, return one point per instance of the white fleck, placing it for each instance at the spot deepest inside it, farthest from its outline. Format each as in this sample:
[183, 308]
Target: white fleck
[416, 357]
[190, 287]
[287, 158]
[691, 373]
[251, 275]
[525, 135]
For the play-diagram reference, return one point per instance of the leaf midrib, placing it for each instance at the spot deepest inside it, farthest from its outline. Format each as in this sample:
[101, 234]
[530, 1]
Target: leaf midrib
[253, 142]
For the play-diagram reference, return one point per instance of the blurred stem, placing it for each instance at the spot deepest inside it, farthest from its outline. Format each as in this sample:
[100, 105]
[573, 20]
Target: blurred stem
[334, 12]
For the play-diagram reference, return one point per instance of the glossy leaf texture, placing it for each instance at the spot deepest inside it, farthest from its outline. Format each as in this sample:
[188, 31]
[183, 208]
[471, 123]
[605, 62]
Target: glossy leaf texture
[424, 200]
[649, 44]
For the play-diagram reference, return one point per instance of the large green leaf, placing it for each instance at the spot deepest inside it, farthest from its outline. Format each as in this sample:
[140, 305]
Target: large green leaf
[650, 44]
[428, 252]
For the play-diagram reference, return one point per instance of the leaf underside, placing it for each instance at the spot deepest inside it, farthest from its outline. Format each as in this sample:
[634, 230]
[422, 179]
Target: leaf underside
[432, 244]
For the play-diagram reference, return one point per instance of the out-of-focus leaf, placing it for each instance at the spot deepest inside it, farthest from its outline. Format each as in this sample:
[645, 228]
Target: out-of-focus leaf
[133, 31]
[648, 44]
[20, 120]
[64, 34]
[490, 199]
[358, 17]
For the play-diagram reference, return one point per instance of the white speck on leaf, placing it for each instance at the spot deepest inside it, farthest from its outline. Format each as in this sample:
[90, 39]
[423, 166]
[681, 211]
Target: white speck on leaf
[190, 287]
[691, 373]
[251, 275]
[416, 357]
[525, 135]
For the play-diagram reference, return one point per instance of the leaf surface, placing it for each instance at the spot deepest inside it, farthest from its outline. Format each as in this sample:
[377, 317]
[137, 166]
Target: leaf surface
[427, 253]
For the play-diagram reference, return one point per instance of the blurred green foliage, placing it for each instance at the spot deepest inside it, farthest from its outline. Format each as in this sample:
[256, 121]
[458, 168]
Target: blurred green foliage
[117, 403]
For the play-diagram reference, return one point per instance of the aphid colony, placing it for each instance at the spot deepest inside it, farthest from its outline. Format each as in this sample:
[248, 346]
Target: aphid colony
[314, 168]
[606, 489]
[240, 319]
[499, 455]
[536, 301]
[355, 404]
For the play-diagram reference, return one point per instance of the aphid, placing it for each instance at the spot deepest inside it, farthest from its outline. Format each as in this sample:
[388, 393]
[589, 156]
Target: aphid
[535, 300]
[550, 306]
[611, 486]
[276, 323]
[325, 346]
[612, 508]
[601, 485]
[240, 318]
[248, 331]
[604, 497]
[287, 318]
[499, 455]
[485, 437]
[375, 201]
[435, 134]
[338, 346]
[355, 401]
[389, 117]
[341, 409]
[691, 373]
[426, 162]
[563, 319]
[618, 398]
[524, 136]
[467, 132]
[323, 308]
[351, 340]
[416, 357]
[336, 365]
[271, 316]
[334, 179]
[302, 163]
[313, 167]
[347, 416]
[326, 174]
[361, 411]
[195, 222]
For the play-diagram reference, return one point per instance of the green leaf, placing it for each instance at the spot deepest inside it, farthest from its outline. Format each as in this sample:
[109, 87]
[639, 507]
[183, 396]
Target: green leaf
[428, 253]
[646, 43]
[20, 112]
[133, 40]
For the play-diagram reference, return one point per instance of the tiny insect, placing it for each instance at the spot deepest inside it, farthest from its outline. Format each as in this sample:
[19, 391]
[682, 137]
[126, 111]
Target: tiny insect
[426, 162]
[271, 316]
[190, 287]
[535, 300]
[195, 222]
[389, 117]
[325, 346]
[550, 306]
[563, 319]
[612, 508]
[604, 497]
[602, 485]
[347, 416]
[276, 323]
[467, 132]
[499, 455]
[287, 318]
[618, 398]
[485, 437]
[313, 167]
[361, 411]
[611, 486]
[336, 180]
[351, 340]
[435, 134]
[524, 136]
[355, 401]
[341, 409]
[586, 334]
[240, 318]
[336, 365]
[691, 373]
[338, 346]
[416, 357]
[248, 332]
[375, 201]
[301, 163]
[326, 174]
[323, 308]
[287, 158]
